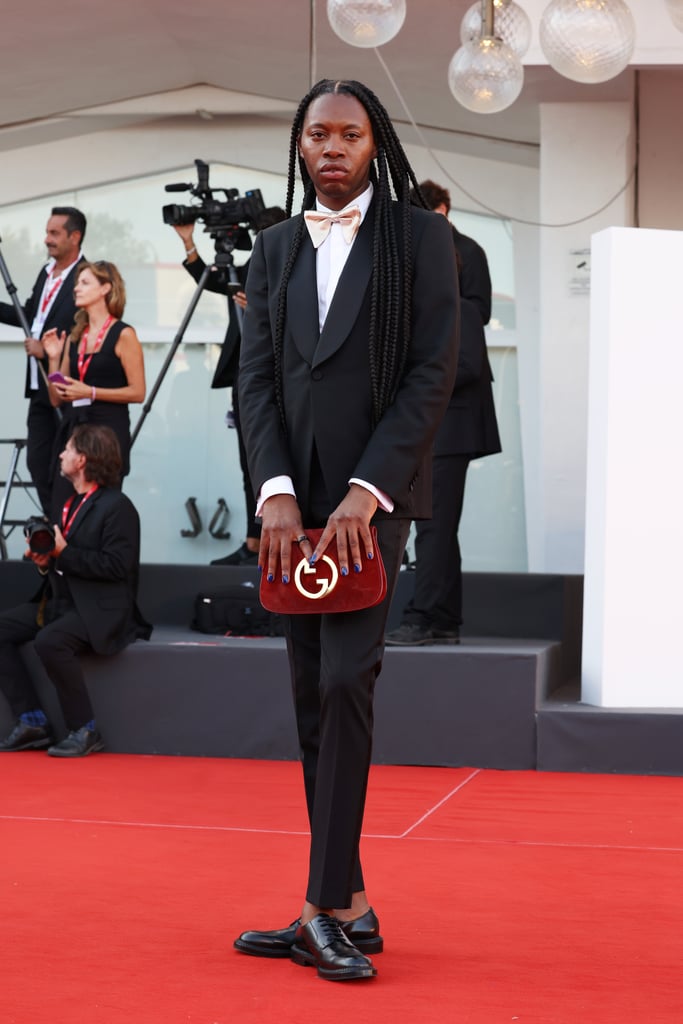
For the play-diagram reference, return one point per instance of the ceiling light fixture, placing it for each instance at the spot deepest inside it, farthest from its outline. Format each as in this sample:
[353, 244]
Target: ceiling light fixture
[675, 9]
[588, 41]
[486, 75]
[366, 23]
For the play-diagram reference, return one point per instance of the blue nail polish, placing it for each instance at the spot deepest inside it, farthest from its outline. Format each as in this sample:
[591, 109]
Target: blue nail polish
[312, 559]
[270, 577]
[285, 579]
[260, 568]
[370, 555]
[344, 571]
[356, 567]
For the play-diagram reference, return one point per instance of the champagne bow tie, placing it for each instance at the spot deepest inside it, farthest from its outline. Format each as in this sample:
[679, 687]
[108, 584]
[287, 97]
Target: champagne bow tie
[319, 224]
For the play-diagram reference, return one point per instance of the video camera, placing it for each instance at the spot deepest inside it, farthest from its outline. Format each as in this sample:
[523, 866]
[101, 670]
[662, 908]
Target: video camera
[228, 221]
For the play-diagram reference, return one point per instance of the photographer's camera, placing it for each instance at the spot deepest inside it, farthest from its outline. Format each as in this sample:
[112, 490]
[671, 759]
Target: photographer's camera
[228, 219]
[40, 536]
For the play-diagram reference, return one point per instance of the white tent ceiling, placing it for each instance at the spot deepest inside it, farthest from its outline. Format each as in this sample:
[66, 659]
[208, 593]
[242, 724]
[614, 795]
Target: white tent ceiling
[59, 61]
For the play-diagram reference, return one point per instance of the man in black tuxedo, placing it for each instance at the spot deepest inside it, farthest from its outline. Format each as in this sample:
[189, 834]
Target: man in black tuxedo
[225, 375]
[348, 360]
[50, 306]
[87, 601]
[469, 430]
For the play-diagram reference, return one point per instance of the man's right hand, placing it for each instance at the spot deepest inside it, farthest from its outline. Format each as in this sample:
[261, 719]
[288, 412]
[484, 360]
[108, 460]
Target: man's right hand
[34, 347]
[281, 524]
[186, 232]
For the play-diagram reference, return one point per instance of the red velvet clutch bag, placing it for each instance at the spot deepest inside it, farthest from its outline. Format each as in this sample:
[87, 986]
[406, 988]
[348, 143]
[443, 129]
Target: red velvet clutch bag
[321, 588]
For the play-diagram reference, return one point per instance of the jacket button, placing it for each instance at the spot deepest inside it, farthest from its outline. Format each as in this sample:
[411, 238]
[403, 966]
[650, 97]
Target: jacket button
[317, 375]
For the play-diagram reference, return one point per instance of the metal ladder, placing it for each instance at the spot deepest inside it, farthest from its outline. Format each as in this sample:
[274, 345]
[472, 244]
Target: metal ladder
[13, 480]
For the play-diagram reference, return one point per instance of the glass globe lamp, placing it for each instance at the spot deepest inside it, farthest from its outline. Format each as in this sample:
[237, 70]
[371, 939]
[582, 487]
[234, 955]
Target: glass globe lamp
[675, 9]
[366, 22]
[485, 76]
[511, 24]
[587, 40]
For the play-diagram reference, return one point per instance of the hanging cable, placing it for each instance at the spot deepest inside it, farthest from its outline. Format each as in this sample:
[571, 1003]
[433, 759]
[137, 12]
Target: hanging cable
[475, 199]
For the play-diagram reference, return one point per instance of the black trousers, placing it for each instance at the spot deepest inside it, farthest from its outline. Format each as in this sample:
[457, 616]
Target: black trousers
[58, 645]
[253, 527]
[437, 597]
[41, 433]
[334, 662]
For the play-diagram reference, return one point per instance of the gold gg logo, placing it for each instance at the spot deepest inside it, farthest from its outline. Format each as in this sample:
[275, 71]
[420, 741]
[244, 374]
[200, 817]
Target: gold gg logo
[325, 585]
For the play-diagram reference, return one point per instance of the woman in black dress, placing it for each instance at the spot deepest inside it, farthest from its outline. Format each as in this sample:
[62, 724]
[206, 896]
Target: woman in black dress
[101, 363]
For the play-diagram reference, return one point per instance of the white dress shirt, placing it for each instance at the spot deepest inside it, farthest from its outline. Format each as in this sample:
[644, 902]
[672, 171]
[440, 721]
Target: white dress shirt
[49, 293]
[331, 259]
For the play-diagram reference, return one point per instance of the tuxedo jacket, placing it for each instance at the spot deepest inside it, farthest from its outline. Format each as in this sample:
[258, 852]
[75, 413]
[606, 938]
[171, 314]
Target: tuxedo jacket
[326, 375]
[469, 426]
[100, 566]
[225, 374]
[61, 316]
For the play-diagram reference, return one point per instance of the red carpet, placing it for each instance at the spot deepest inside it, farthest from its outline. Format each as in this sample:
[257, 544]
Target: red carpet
[504, 896]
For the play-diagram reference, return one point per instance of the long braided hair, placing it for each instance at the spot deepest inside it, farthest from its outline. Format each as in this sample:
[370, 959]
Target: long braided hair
[390, 305]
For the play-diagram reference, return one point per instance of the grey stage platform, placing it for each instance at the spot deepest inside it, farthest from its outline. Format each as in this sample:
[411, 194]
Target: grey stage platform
[506, 698]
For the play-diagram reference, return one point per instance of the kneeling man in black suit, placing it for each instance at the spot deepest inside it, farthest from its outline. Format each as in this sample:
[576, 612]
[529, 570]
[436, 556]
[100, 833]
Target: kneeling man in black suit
[87, 600]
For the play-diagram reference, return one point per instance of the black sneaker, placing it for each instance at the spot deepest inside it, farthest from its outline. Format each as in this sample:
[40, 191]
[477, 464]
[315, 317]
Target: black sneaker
[243, 556]
[77, 744]
[26, 737]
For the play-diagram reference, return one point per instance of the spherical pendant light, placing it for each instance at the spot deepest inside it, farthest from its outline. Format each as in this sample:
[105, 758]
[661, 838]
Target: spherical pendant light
[485, 76]
[675, 9]
[587, 40]
[512, 25]
[366, 22]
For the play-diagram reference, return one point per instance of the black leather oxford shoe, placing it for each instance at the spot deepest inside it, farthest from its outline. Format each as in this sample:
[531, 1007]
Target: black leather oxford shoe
[26, 737]
[363, 933]
[77, 744]
[321, 943]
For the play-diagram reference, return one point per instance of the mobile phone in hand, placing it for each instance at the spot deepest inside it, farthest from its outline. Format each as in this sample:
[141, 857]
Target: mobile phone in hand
[57, 378]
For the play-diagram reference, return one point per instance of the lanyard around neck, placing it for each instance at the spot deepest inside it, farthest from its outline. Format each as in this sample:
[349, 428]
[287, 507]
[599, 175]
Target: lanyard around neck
[67, 519]
[84, 363]
[50, 294]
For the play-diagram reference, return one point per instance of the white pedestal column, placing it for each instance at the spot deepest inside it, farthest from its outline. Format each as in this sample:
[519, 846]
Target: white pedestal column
[633, 607]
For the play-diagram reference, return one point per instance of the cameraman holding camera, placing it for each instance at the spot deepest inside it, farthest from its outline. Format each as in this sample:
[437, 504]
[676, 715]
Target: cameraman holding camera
[86, 601]
[225, 375]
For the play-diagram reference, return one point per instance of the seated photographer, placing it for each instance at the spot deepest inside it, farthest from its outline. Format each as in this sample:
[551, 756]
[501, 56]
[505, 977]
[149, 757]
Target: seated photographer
[225, 375]
[86, 602]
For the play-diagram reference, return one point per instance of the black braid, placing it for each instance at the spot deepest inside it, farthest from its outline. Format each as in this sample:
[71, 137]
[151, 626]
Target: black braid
[391, 289]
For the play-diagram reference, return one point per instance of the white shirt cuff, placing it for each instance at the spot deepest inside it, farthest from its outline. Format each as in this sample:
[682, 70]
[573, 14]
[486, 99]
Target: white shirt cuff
[385, 502]
[276, 485]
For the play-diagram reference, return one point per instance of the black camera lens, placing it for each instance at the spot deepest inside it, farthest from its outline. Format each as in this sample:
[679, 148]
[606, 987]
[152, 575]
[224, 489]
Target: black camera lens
[40, 536]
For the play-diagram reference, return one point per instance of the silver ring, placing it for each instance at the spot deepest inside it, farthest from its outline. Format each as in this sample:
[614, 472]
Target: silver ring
[302, 538]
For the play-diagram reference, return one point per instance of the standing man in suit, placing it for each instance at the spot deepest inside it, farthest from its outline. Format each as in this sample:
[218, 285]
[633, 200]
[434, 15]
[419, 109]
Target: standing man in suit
[469, 430]
[87, 601]
[225, 375]
[50, 306]
[348, 360]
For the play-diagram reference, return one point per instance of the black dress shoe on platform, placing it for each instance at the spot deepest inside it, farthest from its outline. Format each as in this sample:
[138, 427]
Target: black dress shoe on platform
[321, 943]
[26, 737]
[363, 933]
[77, 744]
[412, 634]
[242, 556]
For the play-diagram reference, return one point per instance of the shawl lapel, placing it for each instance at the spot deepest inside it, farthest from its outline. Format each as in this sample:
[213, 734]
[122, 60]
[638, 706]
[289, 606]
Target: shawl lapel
[302, 297]
[302, 302]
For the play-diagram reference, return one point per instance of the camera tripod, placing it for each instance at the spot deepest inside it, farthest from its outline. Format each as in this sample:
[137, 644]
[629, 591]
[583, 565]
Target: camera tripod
[225, 267]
